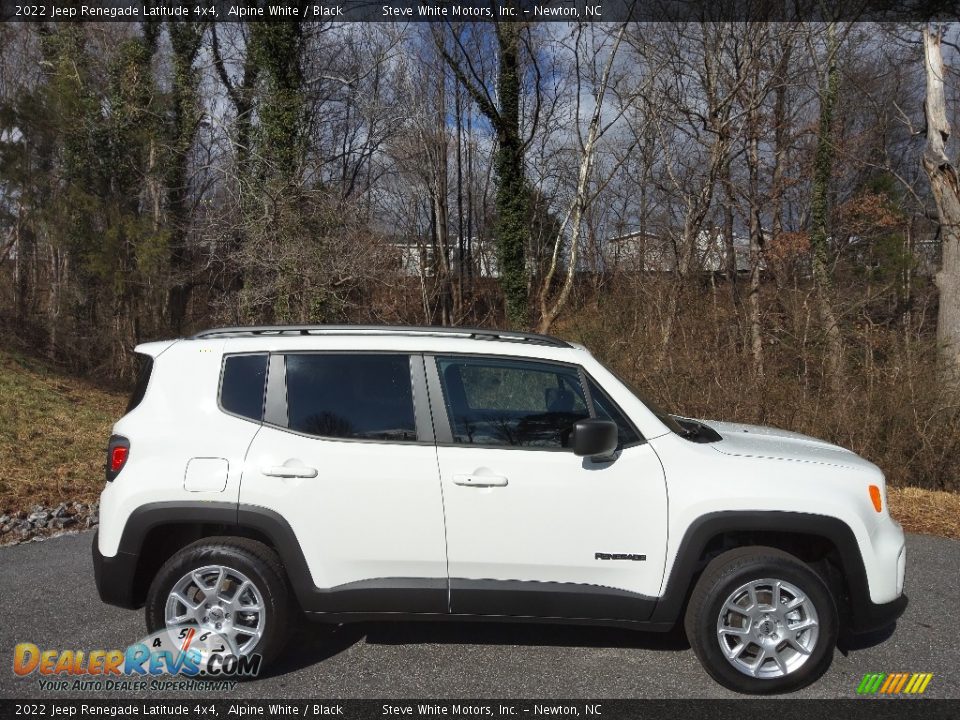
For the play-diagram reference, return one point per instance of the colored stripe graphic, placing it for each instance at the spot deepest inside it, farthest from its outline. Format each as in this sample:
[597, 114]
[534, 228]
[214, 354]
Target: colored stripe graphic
[891, 681]
[894, 683]
[927, 677]
[188, 639]
[870, 683]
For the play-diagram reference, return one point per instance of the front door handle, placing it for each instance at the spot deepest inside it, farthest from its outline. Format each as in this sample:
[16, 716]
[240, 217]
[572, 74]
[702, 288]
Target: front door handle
[480, 480]
[284, 471]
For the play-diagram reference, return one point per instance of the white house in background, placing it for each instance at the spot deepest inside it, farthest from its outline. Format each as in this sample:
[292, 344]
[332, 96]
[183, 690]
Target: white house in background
[649, 252]
[415, 258]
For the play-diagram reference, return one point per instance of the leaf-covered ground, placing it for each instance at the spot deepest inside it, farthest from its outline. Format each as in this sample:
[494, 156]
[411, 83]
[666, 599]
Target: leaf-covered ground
[53, 434]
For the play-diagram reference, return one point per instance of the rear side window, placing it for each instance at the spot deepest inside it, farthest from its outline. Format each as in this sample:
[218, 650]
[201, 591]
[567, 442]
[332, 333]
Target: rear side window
[361, 397]
[241, 390]
[144, 369]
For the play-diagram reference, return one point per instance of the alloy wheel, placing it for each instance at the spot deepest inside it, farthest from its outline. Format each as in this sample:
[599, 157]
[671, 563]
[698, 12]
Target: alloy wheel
[220, 600]
[767, 628]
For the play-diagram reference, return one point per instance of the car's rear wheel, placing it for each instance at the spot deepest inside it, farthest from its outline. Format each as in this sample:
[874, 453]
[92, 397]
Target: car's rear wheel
[761, 621]
[231, 588]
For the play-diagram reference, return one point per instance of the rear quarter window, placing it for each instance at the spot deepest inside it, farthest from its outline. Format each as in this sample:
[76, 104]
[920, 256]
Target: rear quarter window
[242, 386]
[144, 370]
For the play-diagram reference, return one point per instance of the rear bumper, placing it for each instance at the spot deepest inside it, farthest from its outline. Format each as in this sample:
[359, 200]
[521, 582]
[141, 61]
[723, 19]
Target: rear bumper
[114, 576]
[869, 616]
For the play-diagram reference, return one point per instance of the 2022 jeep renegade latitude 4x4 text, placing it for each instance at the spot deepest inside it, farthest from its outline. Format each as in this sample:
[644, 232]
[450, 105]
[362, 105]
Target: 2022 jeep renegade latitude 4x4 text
[357, 473]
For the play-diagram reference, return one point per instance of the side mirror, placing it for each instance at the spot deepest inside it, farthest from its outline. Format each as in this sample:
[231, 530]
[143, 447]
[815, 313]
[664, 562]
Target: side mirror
[595, 438]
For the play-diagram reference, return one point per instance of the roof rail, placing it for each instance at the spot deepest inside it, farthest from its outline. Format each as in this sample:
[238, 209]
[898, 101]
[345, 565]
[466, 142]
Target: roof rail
[463, 332]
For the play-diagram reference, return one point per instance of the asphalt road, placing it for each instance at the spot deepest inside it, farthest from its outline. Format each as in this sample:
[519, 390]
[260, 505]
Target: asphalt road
[47, 597]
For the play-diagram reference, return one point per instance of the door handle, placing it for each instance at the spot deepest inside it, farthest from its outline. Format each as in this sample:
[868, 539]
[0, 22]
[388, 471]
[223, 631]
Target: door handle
[480, 480]
[284, 471]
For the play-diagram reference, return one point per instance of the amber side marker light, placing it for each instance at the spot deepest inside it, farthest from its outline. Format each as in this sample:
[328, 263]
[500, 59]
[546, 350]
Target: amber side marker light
[875, 497]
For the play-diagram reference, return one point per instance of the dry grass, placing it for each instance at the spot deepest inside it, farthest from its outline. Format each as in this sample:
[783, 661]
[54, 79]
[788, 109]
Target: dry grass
[888, 404]
[53, 434]
[929, 512]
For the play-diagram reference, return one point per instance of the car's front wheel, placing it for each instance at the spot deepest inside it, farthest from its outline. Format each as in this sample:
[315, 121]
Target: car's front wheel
[762, 621]
[230, 588]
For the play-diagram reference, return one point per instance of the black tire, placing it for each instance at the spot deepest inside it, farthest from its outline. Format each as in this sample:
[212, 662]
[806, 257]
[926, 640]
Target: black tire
[255, 560]
[722, 577]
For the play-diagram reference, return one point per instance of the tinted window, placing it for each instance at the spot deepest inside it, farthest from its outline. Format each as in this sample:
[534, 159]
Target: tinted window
[241, 391]
[351, 396]
[605, 409]
[511, 402]
[145, 367]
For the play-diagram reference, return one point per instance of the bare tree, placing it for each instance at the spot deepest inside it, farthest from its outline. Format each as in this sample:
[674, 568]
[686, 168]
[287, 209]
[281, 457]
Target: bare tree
[421, 151]
[820, 204]
[583, 194]
[945, 186]
[502, 110]
[697, 120]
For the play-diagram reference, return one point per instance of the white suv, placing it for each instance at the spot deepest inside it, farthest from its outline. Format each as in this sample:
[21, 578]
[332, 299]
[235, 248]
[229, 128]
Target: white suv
[357, 473]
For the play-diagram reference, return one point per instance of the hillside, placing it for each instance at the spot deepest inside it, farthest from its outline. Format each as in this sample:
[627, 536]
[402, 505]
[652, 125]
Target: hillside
[53, 434]
[54, 430]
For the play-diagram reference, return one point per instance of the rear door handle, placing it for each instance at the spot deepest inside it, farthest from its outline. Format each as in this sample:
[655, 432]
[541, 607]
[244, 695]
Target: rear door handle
[480, 480]
[284, 471]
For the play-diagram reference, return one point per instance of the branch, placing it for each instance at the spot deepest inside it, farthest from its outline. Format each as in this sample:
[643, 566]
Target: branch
[232, 92]
[482, 99]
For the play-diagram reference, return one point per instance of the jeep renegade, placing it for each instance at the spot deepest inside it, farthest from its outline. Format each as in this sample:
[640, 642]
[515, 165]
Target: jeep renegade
[354, 473]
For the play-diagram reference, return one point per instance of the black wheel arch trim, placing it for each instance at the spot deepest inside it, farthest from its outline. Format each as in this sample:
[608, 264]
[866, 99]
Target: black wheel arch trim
[862, 615]
[116, 576]
[415, 596]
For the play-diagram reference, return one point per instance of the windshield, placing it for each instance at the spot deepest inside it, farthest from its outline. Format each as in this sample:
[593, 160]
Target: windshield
[666, 418]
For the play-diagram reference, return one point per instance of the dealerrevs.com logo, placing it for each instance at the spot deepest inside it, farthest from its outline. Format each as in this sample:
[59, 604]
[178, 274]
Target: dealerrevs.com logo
[184, 659]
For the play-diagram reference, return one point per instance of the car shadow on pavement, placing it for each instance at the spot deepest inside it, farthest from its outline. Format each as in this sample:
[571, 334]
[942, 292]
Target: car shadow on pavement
[315, 642]
[848, 642]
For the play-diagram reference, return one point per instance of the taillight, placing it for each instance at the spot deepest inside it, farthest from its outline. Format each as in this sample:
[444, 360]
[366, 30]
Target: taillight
[118, 456]
[117, 453]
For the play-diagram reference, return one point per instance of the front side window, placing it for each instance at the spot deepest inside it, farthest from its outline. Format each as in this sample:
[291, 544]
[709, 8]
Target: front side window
[606, 409]
[361, 397]
[514, 403]
[241, 390]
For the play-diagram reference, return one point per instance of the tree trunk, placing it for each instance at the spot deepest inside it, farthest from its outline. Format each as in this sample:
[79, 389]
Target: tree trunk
[512, 201]
[819, 208]
[241, 96]
[780, 147]
[277, 48]
[946, 193]
[441, 186]
[440, 231]
[512, 198]
[756, 248]
[458, 114]
[185, 40]
[24, 248]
